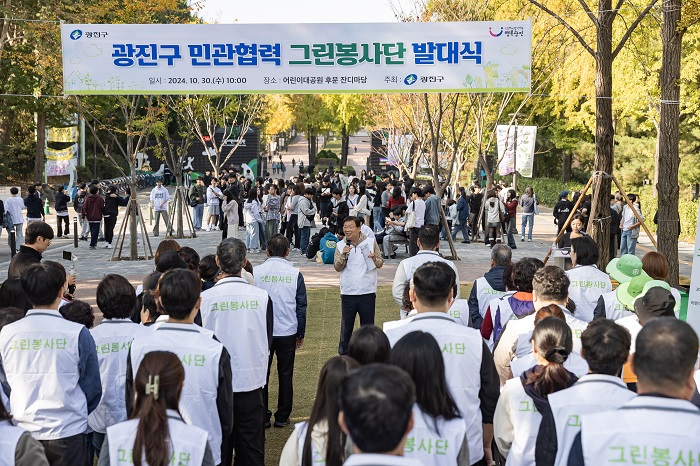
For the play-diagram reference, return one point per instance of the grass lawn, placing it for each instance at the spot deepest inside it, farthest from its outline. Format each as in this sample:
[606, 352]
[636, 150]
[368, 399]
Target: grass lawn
[320, 344]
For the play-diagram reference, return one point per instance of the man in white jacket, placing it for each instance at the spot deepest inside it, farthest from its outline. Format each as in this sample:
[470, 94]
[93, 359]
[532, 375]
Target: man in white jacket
[159, 202]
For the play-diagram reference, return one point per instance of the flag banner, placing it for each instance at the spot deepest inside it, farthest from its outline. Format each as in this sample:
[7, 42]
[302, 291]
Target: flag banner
[69, 134]
[505, 143]
[492, 56]
[61, 162]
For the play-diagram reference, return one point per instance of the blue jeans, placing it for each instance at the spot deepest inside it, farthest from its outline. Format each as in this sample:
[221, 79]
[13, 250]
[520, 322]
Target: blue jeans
[252, 236]
[378, 218]
[628, 245]
[461, 226]
[197, 214]
[527, 218]
[304, 242]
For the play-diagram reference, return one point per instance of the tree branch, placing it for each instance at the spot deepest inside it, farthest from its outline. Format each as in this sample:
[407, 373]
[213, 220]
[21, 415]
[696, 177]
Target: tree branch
[573, 31]
[588, 11]
[632, 27]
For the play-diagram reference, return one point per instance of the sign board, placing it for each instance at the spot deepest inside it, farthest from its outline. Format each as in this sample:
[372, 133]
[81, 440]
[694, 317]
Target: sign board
[693, 316]
[490, 56]
[69, 134]
[505, 143]
[61, 162]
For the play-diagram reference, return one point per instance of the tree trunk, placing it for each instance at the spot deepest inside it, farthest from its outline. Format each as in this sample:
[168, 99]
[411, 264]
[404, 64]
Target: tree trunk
[599, 227]
[667, 233]
[344, 146]
[313, 146]
[483, 163]
[133, 225]
[566, 167]
[40, 145]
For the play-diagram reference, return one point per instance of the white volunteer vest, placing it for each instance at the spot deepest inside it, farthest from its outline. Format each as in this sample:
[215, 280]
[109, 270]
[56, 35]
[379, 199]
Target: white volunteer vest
[644, 430]
[459, 311]
[200, 357]
[9, 438]
[360, 274]
[526, 326]
[113, 339]
[633, 326]
[187, 443]
[279, 278]
[237, 313]
[317, 458]
[526, 423]
[462, 352]
[411, 264]
[4, 400]
[587, 284]
[574, 364]
[593, 393]
[425, 445]
[614, 309]
[484, 294]
[41, 358]
[502, 305]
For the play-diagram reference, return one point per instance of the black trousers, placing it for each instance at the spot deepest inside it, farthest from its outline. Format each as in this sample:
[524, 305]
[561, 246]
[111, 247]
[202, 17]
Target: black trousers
[69, 451]
[351, 305]
[110, 223]
[285, 348]
[293, 229]
[94, 233]
[413, 241]
[60, 221]
[248, 437]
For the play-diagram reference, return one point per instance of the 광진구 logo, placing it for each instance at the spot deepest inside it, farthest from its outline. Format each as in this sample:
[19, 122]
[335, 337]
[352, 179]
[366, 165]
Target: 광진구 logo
[410, 79]
[77, 34]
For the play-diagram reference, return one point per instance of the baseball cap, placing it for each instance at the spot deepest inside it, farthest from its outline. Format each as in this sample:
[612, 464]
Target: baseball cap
[627, 292]
[625, 268]
[656, 301]
[564, 193]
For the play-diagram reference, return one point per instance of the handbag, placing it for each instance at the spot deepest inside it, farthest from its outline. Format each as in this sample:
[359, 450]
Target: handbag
[410, 218]
[193, 203]
[536, 205]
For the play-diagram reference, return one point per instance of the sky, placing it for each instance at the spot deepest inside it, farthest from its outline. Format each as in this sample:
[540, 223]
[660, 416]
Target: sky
[300, 11]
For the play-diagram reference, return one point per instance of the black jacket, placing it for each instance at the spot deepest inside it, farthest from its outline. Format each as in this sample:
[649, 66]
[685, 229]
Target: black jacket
[22, 260]
[112, 205]
[561, 212]
[495, 279]
[61, 202]
[78, 201]
[34, 207]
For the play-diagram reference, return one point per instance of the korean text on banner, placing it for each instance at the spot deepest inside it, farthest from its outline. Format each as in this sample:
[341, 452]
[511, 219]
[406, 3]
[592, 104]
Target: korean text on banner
[296, 58]
[505, 143]
[69, 134]
[61, 162]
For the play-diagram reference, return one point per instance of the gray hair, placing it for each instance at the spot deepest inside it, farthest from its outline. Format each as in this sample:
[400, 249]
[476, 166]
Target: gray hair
[231, 255]
[500, 255]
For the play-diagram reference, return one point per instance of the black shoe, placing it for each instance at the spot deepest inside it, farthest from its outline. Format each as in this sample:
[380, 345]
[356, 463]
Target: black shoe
[393, 256]
[83, 238]
[466, 242]
[268, 424]
[280, 424]
[384, 257]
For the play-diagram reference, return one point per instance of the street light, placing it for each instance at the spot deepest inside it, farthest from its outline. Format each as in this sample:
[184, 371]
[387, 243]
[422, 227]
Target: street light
[514, 117]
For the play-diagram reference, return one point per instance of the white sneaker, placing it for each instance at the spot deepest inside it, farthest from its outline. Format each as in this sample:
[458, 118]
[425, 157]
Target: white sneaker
[530, 240]
[108, 246]
[522, 238]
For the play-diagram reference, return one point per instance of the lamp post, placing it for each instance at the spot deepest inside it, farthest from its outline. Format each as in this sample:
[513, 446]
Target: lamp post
[514, 117]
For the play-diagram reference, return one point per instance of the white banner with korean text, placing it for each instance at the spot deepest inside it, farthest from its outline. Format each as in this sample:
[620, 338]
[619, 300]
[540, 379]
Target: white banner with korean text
[296, 58]
[522, 149]
[61, 162]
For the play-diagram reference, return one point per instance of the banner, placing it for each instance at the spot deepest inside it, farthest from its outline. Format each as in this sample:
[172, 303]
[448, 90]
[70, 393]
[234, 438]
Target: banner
[693, 315]
[505, 143]
[296, 58]
[69, 134]
[60, 162]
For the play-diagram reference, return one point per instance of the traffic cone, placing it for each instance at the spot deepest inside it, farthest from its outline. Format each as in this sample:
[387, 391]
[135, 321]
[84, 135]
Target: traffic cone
[46, 206]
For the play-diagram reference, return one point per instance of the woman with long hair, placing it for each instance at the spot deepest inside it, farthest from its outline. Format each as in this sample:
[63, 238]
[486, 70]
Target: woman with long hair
[351, 196]
[251, 215]
[320, 441]
[436, 418]
[361, 205]
[396, 198]
[230, 209]
[656, 266]
[156, 433]
[524, 399]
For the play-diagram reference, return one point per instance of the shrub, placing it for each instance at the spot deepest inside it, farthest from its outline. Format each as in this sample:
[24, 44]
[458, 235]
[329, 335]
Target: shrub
[328, 154]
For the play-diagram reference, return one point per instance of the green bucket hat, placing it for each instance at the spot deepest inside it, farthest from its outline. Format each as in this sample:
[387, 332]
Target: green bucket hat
[625, 268]
[629, 291]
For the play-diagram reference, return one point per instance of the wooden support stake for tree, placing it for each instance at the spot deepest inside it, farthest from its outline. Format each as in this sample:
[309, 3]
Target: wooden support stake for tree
[122, 232]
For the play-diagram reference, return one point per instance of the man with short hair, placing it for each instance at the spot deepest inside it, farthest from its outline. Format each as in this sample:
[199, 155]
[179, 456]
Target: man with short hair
[471, 375]
[605, 347]
[376, 403]
[489, 286]
[550, 285]
[285, 285]
[159, 202]
[241, 315]
[92, 210]
[14, 205]
[49, 369]
[35, 209]
[660, 420]
[206, 361]
[428, 242]
[357, 258]
[432, 206]
[38, 239]
[197, 195]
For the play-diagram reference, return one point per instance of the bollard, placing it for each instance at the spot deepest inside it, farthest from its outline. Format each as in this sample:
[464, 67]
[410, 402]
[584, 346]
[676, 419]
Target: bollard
[75, 232]
[13, 243]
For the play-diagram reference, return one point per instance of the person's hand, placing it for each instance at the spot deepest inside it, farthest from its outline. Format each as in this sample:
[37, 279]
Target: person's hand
[71, 279]
[300, 343]
[371, 255]
[488, 455]
[346, 249]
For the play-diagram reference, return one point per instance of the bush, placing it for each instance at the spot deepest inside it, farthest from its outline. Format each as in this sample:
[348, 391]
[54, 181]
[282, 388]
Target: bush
[328, 154]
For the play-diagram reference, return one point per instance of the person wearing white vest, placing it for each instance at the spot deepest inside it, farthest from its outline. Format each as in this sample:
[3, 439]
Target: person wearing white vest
[206, 361]
[428, 242]
[439, 435]
[157, 433]
[489, 286]
[241, 315]
[357, 258]
[605, 346]
[285, 285]
[524, 399]
[550, 285]
[49, 369]
[376, 403]
[17, 446]
[587, 283]
[469, 368]
[116, 298]
[658, 422]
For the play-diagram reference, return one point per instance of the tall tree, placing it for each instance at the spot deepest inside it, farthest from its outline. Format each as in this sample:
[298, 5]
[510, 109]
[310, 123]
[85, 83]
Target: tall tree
[348, 113]
[312, 116]
[604, 52]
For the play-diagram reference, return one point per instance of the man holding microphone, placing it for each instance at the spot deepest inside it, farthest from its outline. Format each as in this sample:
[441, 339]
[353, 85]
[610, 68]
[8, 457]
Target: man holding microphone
[357, 258]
